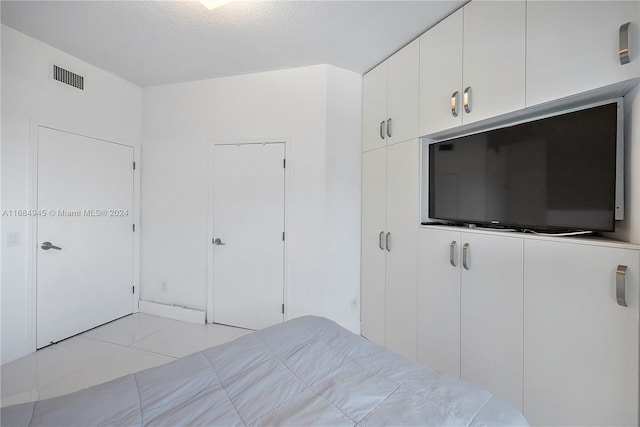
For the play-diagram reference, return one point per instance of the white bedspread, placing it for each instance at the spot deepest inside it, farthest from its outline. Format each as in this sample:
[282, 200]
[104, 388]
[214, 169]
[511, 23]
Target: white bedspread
[307, 371]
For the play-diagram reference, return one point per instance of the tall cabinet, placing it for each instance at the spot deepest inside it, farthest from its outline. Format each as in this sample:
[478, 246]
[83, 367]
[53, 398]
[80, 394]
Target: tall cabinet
[390, 217]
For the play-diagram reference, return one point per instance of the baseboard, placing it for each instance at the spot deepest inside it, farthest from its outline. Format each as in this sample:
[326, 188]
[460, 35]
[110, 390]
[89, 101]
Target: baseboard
[172, 312]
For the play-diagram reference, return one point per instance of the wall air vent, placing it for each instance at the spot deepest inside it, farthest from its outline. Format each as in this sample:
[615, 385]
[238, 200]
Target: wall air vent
[68, 78]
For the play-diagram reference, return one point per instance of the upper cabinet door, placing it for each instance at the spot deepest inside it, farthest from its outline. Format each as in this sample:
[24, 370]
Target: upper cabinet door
[374, 108]
[441, 76]
[403, 81]
[494, 58]
[572, 46]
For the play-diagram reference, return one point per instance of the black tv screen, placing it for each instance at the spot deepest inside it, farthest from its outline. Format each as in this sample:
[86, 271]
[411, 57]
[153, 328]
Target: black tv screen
[555, 173]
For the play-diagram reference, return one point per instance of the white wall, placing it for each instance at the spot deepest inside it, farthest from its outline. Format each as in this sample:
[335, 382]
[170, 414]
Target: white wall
[108, 108]
[318, 108]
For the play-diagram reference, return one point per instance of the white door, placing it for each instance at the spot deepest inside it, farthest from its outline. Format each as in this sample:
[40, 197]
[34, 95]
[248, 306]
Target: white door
[248, 220]
[374, 204]
[374, 108]
[581, 346]
[85, 271]
[492, 314]
[438, 300]
[403, 81]
[401, 244]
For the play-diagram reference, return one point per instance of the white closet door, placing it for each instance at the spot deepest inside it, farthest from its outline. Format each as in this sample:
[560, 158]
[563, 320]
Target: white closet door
[374, 199]
[401, 244]
[85, 278]
[403, 83]
[374, 108]
[248, 220]
[438, 308]
[492, 315]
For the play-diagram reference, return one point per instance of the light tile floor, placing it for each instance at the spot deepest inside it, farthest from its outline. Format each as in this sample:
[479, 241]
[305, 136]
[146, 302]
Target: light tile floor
[133, 343]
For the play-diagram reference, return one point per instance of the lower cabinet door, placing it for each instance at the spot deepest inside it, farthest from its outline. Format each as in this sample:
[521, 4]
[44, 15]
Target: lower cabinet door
[581, 346]
[438, 302]
[491, 314]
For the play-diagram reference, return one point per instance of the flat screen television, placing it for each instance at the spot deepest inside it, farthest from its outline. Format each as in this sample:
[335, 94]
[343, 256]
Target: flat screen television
[550, 174]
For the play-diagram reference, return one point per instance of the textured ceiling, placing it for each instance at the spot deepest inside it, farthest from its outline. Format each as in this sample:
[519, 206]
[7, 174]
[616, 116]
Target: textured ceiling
[159, 42]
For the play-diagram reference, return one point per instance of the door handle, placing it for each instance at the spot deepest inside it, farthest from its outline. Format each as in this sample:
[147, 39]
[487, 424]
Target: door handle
[623, 47]
[466, 97]
[389, 127]
[465, 256]
[621, 285]
[454, 104]
[452, 253]
[218, 242]
[380, 240]
[382, 129]
[387, 242]
[47, 245]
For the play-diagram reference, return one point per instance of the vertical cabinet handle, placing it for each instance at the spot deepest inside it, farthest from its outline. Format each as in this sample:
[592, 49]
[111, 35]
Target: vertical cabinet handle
[382, 129]
[621, 289]
[466, 98]
[623, 44]
[387, 242]
[454, 103]
[389, 127]
[465, 256]
[380, 240]
[452, 253]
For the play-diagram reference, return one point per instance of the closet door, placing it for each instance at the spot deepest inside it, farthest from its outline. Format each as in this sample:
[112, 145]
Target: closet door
[581, 346]
[438, 301]
[492, 314]
[403, 163]
[403, 80]
[374, 108]
[374, 189]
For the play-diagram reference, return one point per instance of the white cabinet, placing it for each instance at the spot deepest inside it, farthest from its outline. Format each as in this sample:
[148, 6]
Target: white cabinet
[374, 206]
[390, 100]
[472, 65]
[390, 217]
[438, 300]
[572, 47]
[491, 314]
[469, 308]
[581, 347]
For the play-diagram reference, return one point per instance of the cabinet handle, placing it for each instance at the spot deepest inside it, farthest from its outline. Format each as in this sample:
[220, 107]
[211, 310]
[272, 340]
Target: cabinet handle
[389, 128]
[623, 45]
[387, 241]
[452, 253]
[454, 103]
[465, 256]
[621, 290]
[467, 99]
[380, 240]
[382, 129]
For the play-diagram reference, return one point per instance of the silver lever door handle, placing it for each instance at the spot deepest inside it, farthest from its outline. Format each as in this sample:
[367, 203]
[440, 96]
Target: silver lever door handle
[466, 98]
[47, 245]
[623, 47]
[389, 127]
[387, 242]
[454, 104]
[452, 253]
[465, 256]
[382, 129]
[218, 242]
[380, 240]
[621, 290]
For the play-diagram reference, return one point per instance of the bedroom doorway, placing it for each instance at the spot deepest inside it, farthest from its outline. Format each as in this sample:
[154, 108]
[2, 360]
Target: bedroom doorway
[248, 234]
[84, 254]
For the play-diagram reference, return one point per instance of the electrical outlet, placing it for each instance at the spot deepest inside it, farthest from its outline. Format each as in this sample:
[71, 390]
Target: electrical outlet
[163, 286]
[354, 304]
[13, 239]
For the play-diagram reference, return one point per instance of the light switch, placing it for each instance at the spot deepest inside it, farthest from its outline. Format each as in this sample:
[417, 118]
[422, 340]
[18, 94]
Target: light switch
[13, 239]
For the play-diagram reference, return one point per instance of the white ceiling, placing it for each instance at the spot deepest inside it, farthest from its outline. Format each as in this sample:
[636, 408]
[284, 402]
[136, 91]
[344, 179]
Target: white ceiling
[159, 42]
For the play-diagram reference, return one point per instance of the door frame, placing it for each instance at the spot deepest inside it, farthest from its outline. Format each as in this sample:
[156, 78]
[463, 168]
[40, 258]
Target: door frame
[32, 234]
[210, 231]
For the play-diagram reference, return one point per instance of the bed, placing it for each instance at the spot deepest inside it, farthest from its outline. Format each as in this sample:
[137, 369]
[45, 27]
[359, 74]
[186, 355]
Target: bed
[306, 371]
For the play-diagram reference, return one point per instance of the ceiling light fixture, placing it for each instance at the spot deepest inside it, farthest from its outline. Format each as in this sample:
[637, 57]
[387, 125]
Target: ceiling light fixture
[212, 4]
